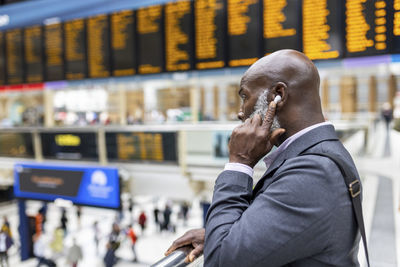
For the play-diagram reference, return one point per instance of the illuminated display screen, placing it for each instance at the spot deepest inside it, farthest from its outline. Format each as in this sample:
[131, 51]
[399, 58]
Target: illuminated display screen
[16, 145]
[179, 36]
[14, 57]
[243, 32]
[209, 34]
[69, 146]
[281, 20]
[83, 185]
[322, 29]
[366, 27]
[2, 60]
[54, 52]
[142, 146]
[33, 54]
[396, 26]
[199, 34]
[98, 40]
[75, 49]
[150, 39]
[123, 43]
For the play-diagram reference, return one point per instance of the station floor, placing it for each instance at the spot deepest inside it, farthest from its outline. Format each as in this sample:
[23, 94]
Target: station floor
[379, 167]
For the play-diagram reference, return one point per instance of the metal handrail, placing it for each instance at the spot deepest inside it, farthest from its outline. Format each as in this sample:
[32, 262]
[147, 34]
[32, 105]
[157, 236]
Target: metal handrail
[177, 259]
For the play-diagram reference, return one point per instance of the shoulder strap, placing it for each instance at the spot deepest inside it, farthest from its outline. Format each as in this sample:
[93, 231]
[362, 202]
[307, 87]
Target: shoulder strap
[354, 186]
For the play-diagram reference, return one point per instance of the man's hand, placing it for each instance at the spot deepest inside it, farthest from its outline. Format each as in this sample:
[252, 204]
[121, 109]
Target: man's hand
[194, 238]
[253, 139]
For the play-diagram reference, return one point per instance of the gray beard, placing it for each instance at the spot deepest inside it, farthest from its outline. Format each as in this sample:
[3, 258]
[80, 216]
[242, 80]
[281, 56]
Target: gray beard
[261, 108]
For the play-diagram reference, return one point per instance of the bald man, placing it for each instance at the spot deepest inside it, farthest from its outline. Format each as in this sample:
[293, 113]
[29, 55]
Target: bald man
[300, 212]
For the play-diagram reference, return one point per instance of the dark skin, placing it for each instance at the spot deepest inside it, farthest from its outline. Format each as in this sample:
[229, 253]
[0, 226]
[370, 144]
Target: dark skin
[287, 73]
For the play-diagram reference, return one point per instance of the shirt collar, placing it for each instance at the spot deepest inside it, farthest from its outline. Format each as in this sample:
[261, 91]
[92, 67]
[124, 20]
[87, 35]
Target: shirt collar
[269, 159]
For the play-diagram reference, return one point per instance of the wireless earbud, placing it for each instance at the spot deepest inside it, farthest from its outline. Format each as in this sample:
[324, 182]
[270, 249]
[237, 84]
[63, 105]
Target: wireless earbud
[277, 99]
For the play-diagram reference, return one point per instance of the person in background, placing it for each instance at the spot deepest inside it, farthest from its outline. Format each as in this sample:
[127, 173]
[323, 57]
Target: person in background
[156, 213]
[64, 221]
[167, 218]
[6, 226]
[43, 212]
[39, 249]
[96, 235]
[78, 214]
[130, 209]
[5, 244]
[74, 254]
[387, 114]
[142, 221]
[38, 223]
[113, 244]
[184, 212]
[57, 244]
[133, 238]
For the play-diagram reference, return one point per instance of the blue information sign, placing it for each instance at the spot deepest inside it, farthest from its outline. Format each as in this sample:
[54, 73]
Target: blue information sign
[83, 185]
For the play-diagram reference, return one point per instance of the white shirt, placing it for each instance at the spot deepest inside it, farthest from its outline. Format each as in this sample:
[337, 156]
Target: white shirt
[269, 159]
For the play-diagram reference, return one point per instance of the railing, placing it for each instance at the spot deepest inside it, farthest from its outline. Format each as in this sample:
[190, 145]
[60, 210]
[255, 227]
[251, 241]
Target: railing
[177, 259]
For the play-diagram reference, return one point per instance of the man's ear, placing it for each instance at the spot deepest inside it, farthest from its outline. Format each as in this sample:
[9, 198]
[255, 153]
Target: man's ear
[280, 88]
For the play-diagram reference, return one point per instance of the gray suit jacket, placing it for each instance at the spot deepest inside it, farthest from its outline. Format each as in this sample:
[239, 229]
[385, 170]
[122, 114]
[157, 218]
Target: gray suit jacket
[299, 213]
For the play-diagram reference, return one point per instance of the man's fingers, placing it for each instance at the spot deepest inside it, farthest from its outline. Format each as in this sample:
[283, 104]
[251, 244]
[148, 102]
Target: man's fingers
[247, 121]
[257, 120]
[269, 117]
[195, 253]
[180, 242]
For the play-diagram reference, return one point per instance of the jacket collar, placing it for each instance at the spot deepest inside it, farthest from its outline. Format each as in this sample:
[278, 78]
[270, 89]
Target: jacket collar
[309, 139]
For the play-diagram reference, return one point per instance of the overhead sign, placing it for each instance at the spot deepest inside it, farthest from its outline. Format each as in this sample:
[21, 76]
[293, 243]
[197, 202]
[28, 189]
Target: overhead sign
[150, 39]
[92, 186]
[69, 146]
[123, 43]
[142, 146]
[16, 145]
[75, 49]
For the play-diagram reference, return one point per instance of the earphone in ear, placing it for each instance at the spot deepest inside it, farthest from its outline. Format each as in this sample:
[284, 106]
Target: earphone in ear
[277, 99]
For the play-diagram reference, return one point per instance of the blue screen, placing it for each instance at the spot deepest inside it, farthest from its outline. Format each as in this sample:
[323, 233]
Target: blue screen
[83, 185]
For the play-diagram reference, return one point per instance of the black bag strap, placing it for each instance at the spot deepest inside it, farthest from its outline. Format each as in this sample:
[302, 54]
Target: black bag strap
[354, 186]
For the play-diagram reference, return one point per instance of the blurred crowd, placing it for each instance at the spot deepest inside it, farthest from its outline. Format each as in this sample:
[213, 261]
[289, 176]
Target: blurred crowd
[6, 241]
[128, 227]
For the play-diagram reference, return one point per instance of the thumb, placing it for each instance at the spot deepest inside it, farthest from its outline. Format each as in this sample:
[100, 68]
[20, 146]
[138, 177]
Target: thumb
[275, 135]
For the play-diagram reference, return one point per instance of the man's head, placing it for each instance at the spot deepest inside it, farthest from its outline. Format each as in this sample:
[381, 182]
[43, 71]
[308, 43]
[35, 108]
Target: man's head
[291, 75]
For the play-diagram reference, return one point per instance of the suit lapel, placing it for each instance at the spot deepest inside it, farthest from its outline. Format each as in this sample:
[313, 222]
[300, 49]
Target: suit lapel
[304, 142]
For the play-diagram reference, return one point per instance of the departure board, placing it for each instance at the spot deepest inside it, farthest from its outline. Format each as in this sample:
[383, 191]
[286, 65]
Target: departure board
[281, 25]
[2, 60]
[366, 27]
[322, 29]
[179, 47]
[150, 39]
[243, 32]
[142, 146]
[69, 146]
[16, 145]
[54, 52]
[98, 40]
[14, 57]
[210, 33]
[75, 49]
[33, 54]
[123, 43]
[396, 26]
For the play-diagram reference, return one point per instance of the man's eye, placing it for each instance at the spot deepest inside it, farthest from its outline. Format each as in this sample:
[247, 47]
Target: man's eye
[243, 96]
